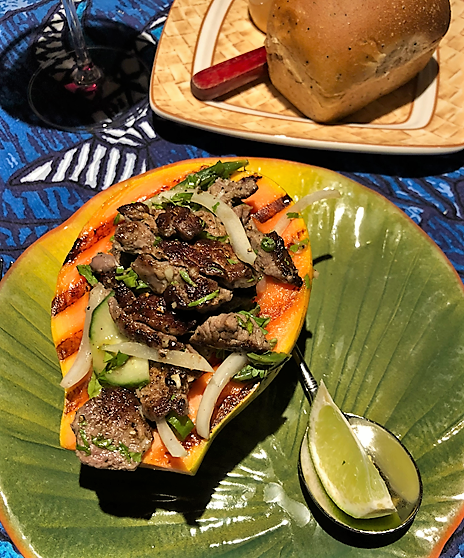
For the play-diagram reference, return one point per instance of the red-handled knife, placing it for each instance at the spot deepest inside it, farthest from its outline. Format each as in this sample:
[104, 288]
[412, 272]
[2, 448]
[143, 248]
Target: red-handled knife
[222, 78]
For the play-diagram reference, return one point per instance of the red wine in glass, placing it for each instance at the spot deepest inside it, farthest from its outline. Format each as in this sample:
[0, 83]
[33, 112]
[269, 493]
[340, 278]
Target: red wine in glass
[89, 88]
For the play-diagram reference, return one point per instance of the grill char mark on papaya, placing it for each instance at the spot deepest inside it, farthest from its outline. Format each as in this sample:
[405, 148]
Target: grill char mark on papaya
[230, 401]
[88, 239]
[268, 211]
[69, 346]
[70, 296]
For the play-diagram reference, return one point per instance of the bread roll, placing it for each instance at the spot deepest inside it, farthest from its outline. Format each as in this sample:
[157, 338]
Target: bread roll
[332, 57]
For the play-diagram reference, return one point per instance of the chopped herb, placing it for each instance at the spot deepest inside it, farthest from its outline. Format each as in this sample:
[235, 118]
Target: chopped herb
[260, 365]
[157, 240]
[250, 372]
[231, 261]
[204, 299]
[293, 215]
[268, 244]
[181, 198]
[157, 205]
[209, 236]
[103, 443]
[182, 425]
[261, 321]
[117, 219]
[246, 324]
[215, 206]
[307, 281]
[130, 278]
[87, 273]
[302, 244]
[129, 455]
[186, 277]
[267, 359]
[94, 387]
[86, 447]
[106, 443]
[205, 177]
[114, 360]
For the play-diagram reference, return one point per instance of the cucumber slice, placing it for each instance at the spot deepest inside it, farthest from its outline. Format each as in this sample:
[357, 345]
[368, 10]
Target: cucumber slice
[103, 331]
[133, 373]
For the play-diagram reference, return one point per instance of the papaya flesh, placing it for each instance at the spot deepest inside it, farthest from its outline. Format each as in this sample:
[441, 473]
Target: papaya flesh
[284, 304]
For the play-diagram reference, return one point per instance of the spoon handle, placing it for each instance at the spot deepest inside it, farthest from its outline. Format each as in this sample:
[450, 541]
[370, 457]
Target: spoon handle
[308, 381]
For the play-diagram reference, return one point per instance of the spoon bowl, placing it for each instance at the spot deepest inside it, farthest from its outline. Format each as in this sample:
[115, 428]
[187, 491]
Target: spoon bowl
[395, 464]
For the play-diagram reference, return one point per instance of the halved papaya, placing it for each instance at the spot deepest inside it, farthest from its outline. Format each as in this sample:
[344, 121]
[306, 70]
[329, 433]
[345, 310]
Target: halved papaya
[284, 304]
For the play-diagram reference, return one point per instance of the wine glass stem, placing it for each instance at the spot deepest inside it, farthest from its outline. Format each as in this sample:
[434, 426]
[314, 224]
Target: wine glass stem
[77, 36]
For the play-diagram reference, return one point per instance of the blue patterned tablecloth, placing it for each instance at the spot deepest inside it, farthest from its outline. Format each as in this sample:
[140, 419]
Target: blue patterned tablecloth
[46, 174]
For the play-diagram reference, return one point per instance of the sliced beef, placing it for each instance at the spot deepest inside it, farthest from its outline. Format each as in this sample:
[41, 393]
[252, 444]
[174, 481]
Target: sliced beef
[211, 224]
[231, 332]
[179, 221]
[134, 237]
[146, 319]
[152, 310]
[111, 432]
[167, 391]
[201, 295]
[181, 287]
[137, 211]
[157, 274]
[275, 262]
[231, 191]
[214, 259]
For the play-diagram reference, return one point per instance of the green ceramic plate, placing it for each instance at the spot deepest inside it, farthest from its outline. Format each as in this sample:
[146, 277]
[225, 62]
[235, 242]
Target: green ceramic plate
[385, 331]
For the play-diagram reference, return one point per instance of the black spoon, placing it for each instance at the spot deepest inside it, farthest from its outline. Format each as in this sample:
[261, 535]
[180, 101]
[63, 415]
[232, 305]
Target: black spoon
[394, 462]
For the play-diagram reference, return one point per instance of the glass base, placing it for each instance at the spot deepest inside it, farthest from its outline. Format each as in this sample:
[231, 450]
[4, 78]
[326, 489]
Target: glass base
[61, 103]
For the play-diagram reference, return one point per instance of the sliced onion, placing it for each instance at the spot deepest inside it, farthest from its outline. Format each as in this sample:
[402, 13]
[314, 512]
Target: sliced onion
[231, 222]
[227, 370]
[228, 217]
[169, 439]
[83, 361]
[302, 204]
[184, 359]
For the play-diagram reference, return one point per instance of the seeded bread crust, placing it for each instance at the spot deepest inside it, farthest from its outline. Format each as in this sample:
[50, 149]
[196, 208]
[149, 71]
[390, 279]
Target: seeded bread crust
[332, 57]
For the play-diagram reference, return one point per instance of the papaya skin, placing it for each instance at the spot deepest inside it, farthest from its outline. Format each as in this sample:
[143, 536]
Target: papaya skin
[283, 303]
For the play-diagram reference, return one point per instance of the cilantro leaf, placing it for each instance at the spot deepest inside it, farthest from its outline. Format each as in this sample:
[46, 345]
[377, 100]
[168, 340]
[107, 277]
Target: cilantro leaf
[268, 359]
[130, 278]
[186, 277]
[205, 177]
[86, 272]
[204, 299]
[182, 425]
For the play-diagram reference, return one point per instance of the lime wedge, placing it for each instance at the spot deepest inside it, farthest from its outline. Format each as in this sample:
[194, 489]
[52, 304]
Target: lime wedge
[346, 471]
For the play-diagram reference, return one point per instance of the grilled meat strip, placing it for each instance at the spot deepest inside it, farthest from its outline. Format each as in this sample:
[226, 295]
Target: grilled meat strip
[276, 262]
[230, 332]
[111, 433]
[147, 319]
[179, 221]
[213, 258]
[233, 192]
[166, 392]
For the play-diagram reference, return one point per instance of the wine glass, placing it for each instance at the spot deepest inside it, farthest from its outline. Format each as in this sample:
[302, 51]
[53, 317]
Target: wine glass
[89, 87]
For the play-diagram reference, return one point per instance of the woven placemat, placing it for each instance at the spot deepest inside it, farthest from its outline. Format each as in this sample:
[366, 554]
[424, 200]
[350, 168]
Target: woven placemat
[260, 112]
